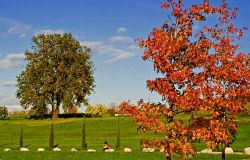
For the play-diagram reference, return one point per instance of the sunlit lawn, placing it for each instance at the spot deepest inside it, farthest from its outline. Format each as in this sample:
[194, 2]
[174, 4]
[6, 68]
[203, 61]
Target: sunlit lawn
[68, 135]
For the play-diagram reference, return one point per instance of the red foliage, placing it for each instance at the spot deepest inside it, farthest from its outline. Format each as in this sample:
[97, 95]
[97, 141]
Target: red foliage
[202, 71]
[73, 110]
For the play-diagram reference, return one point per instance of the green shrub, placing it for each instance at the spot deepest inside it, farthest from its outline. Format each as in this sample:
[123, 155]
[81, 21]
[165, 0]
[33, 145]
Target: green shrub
[96, 111]
[3, 112]
[89, 109]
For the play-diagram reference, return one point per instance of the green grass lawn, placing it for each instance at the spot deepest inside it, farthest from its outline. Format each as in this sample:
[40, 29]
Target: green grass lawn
[98, 130]
[102, 156]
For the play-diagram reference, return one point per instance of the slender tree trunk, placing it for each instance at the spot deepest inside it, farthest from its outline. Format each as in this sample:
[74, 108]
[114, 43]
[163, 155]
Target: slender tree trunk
[223, 154]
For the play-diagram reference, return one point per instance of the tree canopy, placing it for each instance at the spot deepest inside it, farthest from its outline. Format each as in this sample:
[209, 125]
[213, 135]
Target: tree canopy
[201, 69]
[59, 71]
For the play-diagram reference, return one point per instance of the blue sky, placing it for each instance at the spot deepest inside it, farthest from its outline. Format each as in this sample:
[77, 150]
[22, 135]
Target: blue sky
[108, 27]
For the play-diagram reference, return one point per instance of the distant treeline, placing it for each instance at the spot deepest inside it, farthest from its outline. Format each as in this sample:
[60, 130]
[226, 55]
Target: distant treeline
[64, 115]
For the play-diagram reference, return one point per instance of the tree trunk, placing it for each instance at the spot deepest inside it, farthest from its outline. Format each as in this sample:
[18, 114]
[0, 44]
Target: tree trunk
[223, 154]
[168, 157]
[55, 111]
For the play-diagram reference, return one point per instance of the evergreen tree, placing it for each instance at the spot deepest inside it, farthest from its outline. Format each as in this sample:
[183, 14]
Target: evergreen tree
[51, 136]
[21, 137]
[84, 144]
[118, 140]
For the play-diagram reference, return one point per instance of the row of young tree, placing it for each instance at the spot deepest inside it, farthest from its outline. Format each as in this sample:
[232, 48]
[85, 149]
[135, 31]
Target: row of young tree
[201, 71]
[84, 144]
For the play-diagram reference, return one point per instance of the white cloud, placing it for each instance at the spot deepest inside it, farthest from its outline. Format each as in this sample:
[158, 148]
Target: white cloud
[114, 52]
[19, 29]
[95, 46]
[116, 48]
[14, 108]
[10, 101]
[14, 27]
[119, 54]
[49, 31]
[9, 84]
[121, 39]
[121, 29]
[12, 60]
[134, 47]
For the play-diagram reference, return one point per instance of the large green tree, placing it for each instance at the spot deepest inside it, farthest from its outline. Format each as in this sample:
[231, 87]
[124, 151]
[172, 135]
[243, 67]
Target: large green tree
[59, 71]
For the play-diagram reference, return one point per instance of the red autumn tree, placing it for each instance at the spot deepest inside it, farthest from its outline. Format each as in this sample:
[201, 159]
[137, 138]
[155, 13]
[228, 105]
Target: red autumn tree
[201, 70]
[73, 110]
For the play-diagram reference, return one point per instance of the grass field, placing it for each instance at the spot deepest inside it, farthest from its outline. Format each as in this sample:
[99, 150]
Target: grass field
[103, 156]
[68, 135]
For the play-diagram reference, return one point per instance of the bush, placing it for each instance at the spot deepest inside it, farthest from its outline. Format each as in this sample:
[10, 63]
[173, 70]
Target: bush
[90, 109]
[3, 112]
[96, 111]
